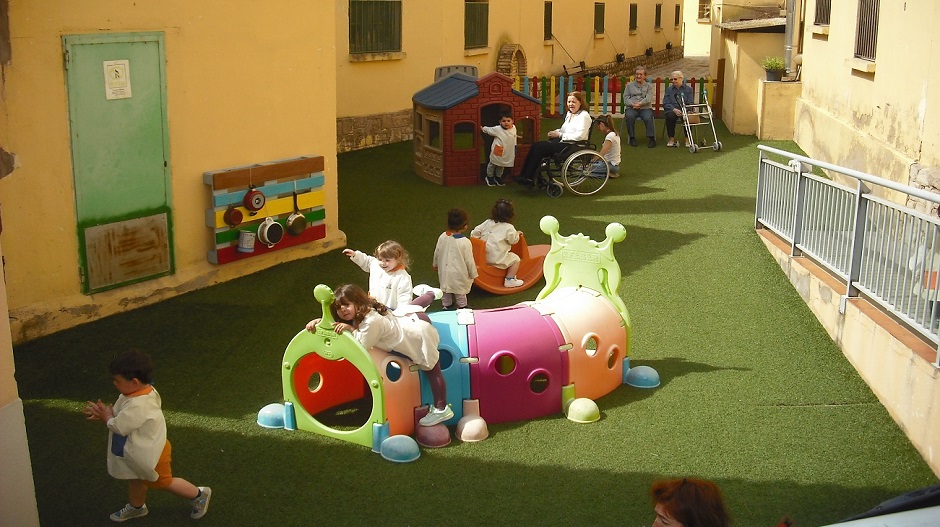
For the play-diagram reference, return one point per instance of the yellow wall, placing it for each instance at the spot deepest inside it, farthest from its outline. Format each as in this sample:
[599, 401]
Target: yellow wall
[697, 34]
[433, 35]
[743, 53]
[883, 122]
[775, 102]
[251, 86]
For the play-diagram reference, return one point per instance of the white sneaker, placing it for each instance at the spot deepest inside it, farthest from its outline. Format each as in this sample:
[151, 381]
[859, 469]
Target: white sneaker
[201, 504]
[422, 289]
[129, 512]
[436, 416]
[513, 282]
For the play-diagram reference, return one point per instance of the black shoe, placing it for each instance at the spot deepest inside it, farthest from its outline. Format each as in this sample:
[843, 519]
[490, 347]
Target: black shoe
[499, 182]
[525, 182]
[633, 141]
[490, 182]
[652, 143]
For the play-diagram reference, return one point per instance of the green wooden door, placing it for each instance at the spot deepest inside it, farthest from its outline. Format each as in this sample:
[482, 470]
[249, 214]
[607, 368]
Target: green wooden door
[120, 157]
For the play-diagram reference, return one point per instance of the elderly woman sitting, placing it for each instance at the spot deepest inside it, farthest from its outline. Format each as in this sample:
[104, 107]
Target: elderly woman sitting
[672, 108]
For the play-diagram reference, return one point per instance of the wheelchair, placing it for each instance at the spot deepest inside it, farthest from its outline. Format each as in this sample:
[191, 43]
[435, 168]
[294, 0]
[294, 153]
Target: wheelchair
[579, 168]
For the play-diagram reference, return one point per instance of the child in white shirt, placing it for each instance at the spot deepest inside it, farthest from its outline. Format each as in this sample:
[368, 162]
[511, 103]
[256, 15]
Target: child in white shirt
[500, 236]
[610, 151]
[503, 151]
[453, 260]
[138, 450]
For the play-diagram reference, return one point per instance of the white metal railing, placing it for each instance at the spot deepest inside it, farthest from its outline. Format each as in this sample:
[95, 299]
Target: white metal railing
[887, 252]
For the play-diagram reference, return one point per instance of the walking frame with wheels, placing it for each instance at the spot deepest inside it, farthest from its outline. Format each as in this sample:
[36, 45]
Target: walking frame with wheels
[579, 168]
[695, 115]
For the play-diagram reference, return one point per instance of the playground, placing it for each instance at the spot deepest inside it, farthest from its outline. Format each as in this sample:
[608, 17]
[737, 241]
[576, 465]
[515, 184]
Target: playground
[754, 396]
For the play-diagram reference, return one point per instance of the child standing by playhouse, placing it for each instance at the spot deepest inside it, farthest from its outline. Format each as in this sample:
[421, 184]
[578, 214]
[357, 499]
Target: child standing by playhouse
[500, 236]
[138, 449]
[503, 151]
[373, 325]
[453, 260]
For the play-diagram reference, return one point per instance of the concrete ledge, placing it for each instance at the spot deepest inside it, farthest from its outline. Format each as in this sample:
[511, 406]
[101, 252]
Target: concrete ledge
[896, 363]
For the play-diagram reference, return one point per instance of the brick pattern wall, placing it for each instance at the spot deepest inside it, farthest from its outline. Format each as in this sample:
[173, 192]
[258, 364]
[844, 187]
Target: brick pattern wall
[366, 131]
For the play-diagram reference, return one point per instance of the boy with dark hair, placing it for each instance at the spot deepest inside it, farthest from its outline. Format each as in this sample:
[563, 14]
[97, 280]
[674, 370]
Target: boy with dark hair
[453, 260]
[503, 151]
[138, 449]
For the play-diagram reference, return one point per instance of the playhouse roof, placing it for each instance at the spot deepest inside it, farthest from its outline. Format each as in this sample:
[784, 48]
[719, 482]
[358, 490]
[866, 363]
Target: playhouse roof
[453, 90]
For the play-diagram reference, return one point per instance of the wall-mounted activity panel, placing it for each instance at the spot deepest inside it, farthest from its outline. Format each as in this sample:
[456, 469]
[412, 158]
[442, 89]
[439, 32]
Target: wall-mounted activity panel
[265, 207]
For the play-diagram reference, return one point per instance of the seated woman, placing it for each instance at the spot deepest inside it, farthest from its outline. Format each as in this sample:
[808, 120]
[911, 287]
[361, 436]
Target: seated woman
[671, 107]
[576, 127]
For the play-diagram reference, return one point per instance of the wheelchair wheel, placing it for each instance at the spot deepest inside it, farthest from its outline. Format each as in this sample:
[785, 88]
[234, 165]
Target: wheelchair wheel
[554, 189]
[585, 172]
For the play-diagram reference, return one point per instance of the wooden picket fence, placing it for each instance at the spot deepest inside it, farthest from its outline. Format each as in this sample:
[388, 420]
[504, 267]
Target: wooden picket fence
[603, 94]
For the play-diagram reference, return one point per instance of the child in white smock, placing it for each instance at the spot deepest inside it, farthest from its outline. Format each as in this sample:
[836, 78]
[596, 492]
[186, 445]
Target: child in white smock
[503, 151]
[374, 325]
[453, 260]
[500, 235]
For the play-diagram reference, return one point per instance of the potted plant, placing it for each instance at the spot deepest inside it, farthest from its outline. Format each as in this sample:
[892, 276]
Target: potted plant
[774, 68]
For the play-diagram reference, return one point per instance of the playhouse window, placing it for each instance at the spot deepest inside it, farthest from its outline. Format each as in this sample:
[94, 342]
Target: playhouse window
[374, 26]
[464, 135]
[525, 129]
[433, 135]
[476, 24]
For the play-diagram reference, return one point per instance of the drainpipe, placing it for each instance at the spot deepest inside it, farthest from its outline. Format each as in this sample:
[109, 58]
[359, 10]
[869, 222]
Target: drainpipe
[789, 35]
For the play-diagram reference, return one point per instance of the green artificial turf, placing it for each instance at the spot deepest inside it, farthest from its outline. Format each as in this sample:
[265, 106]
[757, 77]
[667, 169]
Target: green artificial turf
[754, 394]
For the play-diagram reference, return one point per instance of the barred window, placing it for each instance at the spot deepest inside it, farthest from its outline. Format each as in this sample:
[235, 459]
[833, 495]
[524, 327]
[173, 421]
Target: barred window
[374, 26]
[633, 17]
[704, 9]
[823, 8]
[658, 21]
[598, 18]
[866, 34]
[547, 25]
[476, 24]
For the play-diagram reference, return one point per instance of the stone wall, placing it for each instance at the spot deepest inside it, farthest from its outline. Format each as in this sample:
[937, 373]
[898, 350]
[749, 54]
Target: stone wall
[366, 131]
[628, 66]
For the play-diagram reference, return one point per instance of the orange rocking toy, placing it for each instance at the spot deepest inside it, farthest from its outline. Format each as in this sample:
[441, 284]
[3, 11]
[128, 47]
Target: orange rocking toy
[491, 279]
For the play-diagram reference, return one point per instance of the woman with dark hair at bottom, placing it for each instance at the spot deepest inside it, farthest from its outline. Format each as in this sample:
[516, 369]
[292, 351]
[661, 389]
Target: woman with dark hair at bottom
[688, 502]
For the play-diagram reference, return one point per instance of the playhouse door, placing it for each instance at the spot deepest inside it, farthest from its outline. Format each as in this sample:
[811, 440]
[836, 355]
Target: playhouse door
[120, 151]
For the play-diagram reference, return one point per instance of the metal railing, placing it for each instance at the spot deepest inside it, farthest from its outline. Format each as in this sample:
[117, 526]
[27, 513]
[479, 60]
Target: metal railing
[886, 252]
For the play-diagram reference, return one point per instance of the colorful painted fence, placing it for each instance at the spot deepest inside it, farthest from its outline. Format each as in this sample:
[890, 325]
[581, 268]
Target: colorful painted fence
[604, 94]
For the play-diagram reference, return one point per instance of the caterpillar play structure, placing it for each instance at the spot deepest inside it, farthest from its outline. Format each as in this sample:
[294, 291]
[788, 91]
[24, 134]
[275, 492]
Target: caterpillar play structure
[556, 354]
